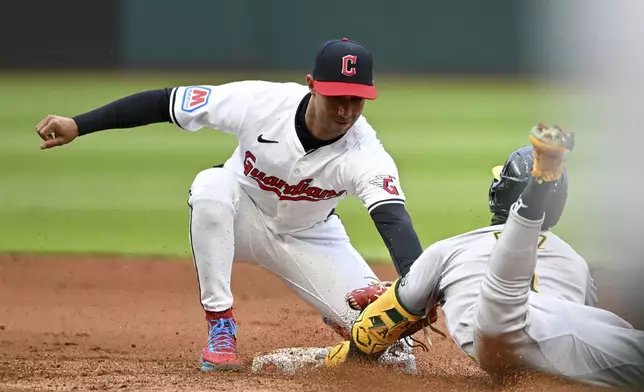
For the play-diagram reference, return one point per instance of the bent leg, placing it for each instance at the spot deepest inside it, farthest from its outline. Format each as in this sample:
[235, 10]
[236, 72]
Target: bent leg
[501, 311]
[502, 303]
[321, 265]
[517, 330]
[213, 202]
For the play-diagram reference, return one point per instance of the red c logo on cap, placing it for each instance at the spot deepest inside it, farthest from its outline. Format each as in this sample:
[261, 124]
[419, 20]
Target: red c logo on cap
[349, 64]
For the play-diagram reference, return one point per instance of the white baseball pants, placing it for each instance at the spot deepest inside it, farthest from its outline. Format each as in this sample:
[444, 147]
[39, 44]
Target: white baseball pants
[319, 264]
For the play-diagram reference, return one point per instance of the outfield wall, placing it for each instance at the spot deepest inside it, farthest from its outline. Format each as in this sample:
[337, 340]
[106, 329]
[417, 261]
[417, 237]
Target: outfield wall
[459, 37]
[60, 34]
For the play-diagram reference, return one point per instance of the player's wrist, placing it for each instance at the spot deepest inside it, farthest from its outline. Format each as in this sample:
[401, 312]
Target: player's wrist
[83, 124]
[75, 128]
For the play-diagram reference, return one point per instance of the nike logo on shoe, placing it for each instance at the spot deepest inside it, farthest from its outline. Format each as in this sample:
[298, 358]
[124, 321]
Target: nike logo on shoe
[262, 140]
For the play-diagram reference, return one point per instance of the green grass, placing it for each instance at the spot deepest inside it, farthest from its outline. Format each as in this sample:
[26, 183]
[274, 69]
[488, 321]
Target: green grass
[124, 191]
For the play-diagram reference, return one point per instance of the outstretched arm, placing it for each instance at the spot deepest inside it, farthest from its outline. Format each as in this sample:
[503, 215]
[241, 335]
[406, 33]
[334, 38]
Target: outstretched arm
[221, 107]
[147, 107]
[377, 186]
[397, 231]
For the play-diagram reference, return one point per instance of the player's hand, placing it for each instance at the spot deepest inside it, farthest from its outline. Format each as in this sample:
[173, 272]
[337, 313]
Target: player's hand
[56, 131]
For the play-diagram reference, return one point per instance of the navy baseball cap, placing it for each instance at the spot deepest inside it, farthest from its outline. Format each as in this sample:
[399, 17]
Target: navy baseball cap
[344, 67]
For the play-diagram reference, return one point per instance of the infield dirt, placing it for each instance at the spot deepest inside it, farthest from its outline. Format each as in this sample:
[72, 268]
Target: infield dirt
[89, 323]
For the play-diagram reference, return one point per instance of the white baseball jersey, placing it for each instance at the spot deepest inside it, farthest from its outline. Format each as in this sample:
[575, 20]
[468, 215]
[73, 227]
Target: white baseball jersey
[295, 190]
[460, 263]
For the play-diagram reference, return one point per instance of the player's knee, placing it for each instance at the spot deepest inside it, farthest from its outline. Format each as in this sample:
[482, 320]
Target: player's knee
[211, 212]
[215, 185]
[497, 354]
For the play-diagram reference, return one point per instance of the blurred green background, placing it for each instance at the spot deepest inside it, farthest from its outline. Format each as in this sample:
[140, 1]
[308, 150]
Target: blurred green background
[458, 87]
[124, 191]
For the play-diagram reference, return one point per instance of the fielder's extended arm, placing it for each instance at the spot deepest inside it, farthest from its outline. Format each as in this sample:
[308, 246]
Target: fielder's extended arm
[397, 231]
[147, 107]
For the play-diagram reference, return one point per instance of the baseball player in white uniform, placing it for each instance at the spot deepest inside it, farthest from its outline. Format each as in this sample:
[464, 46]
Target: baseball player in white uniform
[515, 296]
[302, 149]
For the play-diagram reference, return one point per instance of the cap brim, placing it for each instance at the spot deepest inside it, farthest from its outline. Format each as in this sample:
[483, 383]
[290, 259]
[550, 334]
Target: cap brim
[336, 89]
[496, 172]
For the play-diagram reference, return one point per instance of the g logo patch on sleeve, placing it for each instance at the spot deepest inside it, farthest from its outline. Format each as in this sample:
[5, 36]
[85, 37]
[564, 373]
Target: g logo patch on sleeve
[194, 98]
[388, 183]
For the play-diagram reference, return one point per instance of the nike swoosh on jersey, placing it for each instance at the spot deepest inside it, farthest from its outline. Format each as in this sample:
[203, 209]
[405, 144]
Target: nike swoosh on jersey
[262, 140]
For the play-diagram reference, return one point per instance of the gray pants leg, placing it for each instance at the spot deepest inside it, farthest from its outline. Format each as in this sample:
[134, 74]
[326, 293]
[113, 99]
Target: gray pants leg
[516, 329]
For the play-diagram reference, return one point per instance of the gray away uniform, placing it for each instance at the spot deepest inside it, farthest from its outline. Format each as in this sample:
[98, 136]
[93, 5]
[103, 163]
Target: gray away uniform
[532, 287]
